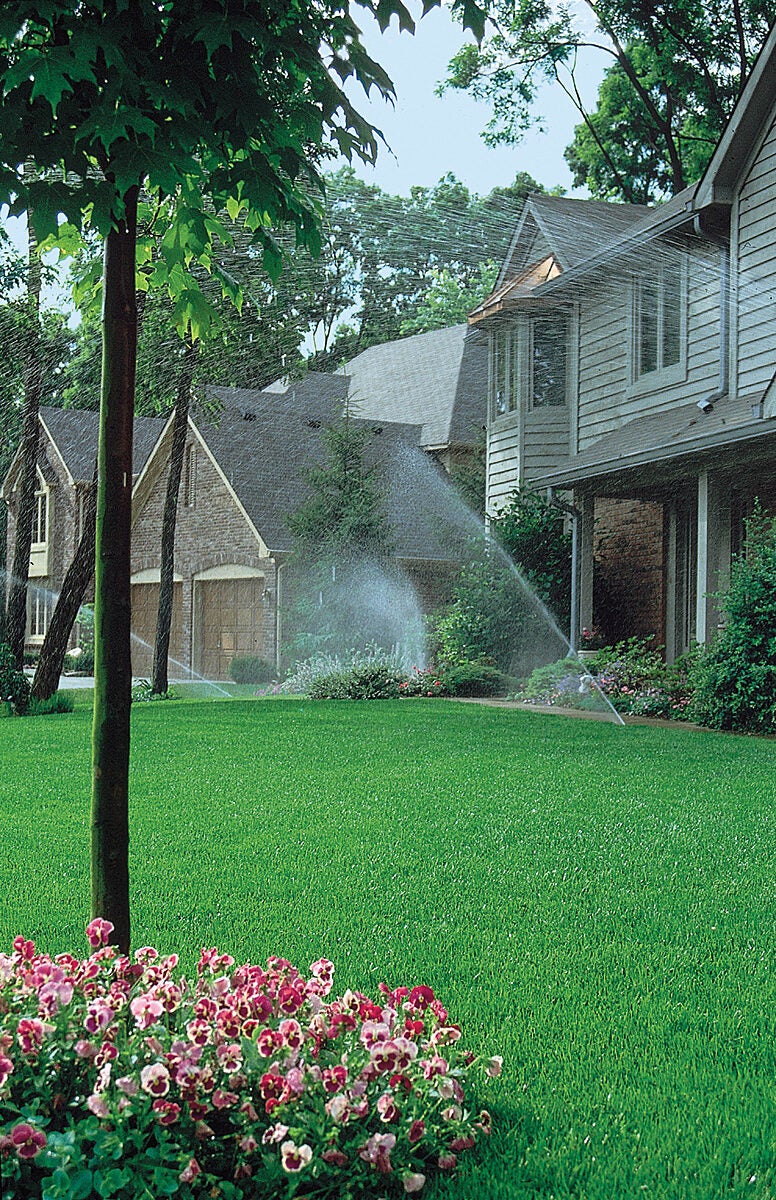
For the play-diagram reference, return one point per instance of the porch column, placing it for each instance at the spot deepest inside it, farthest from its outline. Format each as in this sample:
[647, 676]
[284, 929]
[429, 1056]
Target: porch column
[585, 520]
[671, 580]
[713, 551]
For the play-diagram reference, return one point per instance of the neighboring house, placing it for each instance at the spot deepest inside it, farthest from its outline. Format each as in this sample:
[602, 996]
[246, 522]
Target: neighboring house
[437, 380]
[67, 455]
[244, 474]
[633, 369]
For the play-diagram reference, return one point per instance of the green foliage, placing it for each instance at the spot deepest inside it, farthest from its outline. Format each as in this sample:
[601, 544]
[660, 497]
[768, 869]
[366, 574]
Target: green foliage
[532, 531]
[735, 678]
[673, 79]
[60, 702]
[491, 618]
[143, 693]
[14, 685]
[250, 669]
[362, 681]
[472, 679]
[448, 300]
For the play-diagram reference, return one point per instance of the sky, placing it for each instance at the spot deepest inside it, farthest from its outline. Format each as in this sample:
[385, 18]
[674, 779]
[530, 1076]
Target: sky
[431, 135]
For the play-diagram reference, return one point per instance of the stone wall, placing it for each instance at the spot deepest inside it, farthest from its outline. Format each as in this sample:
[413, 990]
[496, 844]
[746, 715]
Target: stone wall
[628, 576]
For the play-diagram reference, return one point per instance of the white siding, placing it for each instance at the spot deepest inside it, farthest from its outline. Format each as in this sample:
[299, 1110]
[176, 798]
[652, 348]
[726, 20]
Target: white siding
[503, 462]
[756, 254]
[606, 398]
[546, 441]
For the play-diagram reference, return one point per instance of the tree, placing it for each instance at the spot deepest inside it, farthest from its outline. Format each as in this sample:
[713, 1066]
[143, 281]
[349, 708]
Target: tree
[228, 105]
[533, 533]
[338, 529]
[674, 78]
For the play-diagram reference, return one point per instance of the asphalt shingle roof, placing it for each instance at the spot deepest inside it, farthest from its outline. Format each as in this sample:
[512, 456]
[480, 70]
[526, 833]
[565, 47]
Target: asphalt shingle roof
[75, 432]
[437, 380]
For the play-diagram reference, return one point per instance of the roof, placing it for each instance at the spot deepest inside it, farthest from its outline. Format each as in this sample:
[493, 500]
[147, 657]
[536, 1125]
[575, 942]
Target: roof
[75, 432]
[265, 443]
[662, 437]
[437, 380]
[577, 229]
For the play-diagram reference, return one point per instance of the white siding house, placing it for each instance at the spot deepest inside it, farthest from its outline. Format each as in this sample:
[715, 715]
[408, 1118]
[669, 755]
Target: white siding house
[659, 397]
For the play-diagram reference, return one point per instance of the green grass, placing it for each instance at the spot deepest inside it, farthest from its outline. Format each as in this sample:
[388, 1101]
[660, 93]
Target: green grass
[595, 903]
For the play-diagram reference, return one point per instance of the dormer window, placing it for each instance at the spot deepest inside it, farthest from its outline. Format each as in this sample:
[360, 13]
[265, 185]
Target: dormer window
[40, 518]
[504, 372]
[529, 364]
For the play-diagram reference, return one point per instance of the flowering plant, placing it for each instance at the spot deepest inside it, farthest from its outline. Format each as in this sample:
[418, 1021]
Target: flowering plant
[118, 1079]
[592, 639]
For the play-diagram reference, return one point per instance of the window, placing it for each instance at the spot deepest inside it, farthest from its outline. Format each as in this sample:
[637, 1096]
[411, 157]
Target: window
[549, 335]
[529, 364]
[40, 518]
[190, 477]
[37, 615]
[505, 372]
[658, 322]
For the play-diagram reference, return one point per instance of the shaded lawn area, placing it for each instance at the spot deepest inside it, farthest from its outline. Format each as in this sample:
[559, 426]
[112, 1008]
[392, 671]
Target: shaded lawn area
[595, 903]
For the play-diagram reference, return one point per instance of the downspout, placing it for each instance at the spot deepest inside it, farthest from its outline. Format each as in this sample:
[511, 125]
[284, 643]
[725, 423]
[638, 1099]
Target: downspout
[723, 381]
[278, 621]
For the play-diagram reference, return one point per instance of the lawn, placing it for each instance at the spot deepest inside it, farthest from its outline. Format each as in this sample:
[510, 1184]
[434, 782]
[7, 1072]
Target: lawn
[595, 903]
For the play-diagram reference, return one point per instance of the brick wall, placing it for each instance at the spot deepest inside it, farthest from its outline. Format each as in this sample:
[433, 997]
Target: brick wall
[628, 574]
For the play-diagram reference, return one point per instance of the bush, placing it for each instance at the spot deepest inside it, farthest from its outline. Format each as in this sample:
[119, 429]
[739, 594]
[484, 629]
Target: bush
[304, 675]
[142, 692]
[118, 1078]
[426, 682]
[80, 661]
[735, 678]
[60, 702]
[473, 679]
[251, 670]
[557, 684]
[14, 685]
[367, 681]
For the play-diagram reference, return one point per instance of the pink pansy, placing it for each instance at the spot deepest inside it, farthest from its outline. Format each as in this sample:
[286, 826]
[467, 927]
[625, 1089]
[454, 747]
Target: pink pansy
[386, 1107]
[265, 1043]
[446, 1089]
[223, 1099]
[229, 1057]
[452, 1113]
[98, 1016]
[377, 1151]
[248, 1143]
[334, 1078]
[85, 1049]
[167, 1112]
[293, 1157]
[98, 1105]
[373, 1032]
[127, 1085]
[190, 1171]
[146, 1010]
[6, 1067]
[413, 1181]
[338, 1109]
[98, 931]
[290, 999]
[447, 1162]
[494, 1066]
[462, 1143]
[291, 1033]
[335, 1157]
[30, 1033]
[484, 1123]
[27, 1142]
[274, 1133]
[24, 948]
[155, 1079]
[419, 998]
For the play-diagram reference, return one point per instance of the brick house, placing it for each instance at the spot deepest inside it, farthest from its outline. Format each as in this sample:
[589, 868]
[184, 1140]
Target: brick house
[632, 369]
[244, 473]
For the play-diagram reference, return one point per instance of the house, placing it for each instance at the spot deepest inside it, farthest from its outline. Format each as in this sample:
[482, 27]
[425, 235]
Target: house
[632, 370]
[244, 472]
[67, 455]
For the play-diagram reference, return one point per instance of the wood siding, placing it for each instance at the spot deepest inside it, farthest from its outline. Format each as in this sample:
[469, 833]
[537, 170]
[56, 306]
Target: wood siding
[607, 400]
[503, 461]
[756, 274]
[546, 442]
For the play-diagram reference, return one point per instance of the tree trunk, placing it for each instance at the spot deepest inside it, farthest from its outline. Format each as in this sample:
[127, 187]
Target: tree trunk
[159, 681]
[16, 612]
[112, 666]
[80, 571]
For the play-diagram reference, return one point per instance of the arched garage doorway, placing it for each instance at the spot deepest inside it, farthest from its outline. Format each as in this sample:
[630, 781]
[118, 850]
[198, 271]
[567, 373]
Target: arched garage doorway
[145, 607]
[228, 618]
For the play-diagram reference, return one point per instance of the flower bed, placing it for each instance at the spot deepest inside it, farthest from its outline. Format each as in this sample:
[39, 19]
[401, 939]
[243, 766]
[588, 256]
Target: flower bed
[118, 1079]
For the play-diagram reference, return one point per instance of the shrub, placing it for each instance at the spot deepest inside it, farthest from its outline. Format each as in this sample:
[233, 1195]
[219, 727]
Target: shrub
[473, 679]
[142, 692]
[304, 675]
[14, 685]
[735, 679]
[80, 660]
[533, 533]
[118, 1078]
[366, 681]
[426, 682]
[60, 702]
[251, 670]
[557, 684]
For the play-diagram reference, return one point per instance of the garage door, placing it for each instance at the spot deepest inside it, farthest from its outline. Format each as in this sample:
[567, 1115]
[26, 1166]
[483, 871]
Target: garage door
[145, 605]
[230, 614]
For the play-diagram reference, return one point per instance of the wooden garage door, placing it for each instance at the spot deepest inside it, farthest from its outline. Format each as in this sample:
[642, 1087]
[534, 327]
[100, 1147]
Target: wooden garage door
[145, 605]
[230, 614]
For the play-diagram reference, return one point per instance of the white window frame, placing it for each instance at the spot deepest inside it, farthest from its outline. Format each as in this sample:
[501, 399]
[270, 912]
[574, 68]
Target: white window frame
[671, 271]
[505, 342]
[563, 316]
[38, 616]
[516, 344]
[190, 477]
